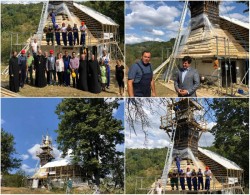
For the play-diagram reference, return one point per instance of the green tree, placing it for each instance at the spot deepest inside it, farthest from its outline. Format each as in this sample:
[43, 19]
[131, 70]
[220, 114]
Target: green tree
[232, 130]
[89, 128]
[8, 162]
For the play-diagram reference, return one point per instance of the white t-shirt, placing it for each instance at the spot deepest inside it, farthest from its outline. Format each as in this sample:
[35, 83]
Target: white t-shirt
[188, 173]
[207, 174]
[59, 65]
[64, 29]
[34, 47]
[159, 190]
[83, 29]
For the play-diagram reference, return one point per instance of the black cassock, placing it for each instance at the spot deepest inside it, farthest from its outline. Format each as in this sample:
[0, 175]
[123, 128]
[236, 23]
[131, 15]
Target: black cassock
[83, 75]
[14, 74]
[40, 67]
[94, 75]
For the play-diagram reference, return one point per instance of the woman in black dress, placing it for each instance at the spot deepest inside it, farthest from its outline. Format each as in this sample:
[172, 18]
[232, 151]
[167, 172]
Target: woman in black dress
[14, 73]
[94, 76]
[83, 74]
[119, 75]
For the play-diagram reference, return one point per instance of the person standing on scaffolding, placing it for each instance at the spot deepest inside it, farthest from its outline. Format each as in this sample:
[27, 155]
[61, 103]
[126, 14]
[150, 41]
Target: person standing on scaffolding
[182, 179]
[83, 29]
[53, 18]
[64, 34]
[187, 79]
[178, 163]
[70, 35]
[200, 180]
[57, 34]
[76, 34]
[188, 178]
[22, 62]
[207, 174]
[34, 47]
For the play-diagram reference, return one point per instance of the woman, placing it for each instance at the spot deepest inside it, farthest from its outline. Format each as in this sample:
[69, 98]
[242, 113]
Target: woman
[119, 75]
[83, 74]
[60, 69]
[94, 83]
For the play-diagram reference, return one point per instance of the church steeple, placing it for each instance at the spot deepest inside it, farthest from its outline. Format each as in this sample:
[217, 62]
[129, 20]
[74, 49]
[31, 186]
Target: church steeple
[45, 154]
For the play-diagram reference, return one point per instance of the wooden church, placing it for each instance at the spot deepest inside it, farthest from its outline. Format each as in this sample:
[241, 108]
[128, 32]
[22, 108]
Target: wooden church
[212, 38]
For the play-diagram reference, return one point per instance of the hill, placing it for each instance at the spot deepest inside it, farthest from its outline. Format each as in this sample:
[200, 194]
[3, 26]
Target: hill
[158, 50]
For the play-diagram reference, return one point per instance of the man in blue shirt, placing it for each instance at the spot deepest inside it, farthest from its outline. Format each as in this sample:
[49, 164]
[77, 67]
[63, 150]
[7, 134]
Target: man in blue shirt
[140, 78]
[22, 62]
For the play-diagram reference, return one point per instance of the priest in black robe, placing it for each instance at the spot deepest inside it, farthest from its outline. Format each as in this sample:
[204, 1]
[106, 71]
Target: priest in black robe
[83, 74]
[94, 76]
[14, 70]
[40, 68]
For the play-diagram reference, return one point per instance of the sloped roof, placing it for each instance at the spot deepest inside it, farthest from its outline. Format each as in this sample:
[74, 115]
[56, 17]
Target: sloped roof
[220, 159]
[96, 15]
[235, 21]
[57, 163]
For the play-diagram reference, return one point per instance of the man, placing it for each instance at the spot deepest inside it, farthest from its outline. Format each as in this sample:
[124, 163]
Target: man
[140, 78]
[14, 72]
[30, 65]
[70, 35]
[34, 47]
[178, 164]
[22, 62]
[83, 28]
[69, 186]
[57, 34]
[105, 59]
[182, 179]
[53, 18]
[50, 35]
[194, 180]
[207, 174]
[66, 60]
[64, 34]
[51, 68]
[187, 79]
[76, 35]
[74, 65]
[40, 68]
[200, 180]
[188, 178]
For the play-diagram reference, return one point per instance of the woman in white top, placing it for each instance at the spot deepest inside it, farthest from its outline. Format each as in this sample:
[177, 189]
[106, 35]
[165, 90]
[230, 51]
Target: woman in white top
[60, 68]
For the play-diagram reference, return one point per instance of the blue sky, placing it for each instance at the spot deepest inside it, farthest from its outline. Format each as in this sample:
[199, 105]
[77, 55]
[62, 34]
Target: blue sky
[28, 119]
[159, 20]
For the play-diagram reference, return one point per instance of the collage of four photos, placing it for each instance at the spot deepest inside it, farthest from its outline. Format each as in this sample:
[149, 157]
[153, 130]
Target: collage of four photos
[124, 97]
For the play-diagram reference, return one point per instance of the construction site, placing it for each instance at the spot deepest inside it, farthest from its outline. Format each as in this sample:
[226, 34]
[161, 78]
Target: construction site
[219, 47]
[102, 33]
[184, 124]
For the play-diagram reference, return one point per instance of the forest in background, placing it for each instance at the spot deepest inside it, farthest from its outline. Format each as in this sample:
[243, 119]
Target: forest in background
[159, 51]
[26, 21]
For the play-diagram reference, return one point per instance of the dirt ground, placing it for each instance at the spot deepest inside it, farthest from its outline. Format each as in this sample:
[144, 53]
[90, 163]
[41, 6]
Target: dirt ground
[22, 190]
[58, 91]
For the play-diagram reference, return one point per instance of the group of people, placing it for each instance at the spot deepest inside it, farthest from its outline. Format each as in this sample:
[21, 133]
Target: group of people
[194, 180]
[92, 76]
[69, 34]
[141, 82]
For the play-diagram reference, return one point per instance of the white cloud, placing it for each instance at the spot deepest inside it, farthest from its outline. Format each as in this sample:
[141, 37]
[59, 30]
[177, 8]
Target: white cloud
[2, 121]
[132, 38]
[225, 8]
[157, 32]
[142, 14]
[206, 140]
[27, 169]
[239, 17]
[34, 150]
[24, 156]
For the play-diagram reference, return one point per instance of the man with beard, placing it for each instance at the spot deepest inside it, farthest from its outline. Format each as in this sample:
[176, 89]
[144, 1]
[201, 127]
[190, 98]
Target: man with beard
[14, 73]
[83, 74]
[94, 76]
[40, 68]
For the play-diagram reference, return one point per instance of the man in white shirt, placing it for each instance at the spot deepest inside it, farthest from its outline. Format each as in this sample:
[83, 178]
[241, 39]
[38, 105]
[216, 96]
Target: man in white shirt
[83, 29]
[34, 47]
[207, 174]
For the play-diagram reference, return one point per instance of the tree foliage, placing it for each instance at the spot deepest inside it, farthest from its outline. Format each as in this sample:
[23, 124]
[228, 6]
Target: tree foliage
[8, 162]
[232, 130]
[88, 127]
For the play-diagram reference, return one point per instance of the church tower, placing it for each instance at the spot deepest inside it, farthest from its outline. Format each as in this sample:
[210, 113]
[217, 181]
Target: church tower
[45, 154]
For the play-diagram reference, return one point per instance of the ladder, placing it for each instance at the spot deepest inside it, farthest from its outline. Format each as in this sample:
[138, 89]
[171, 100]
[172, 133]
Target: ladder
[169, 157]
[176, 44]
[42, 22]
